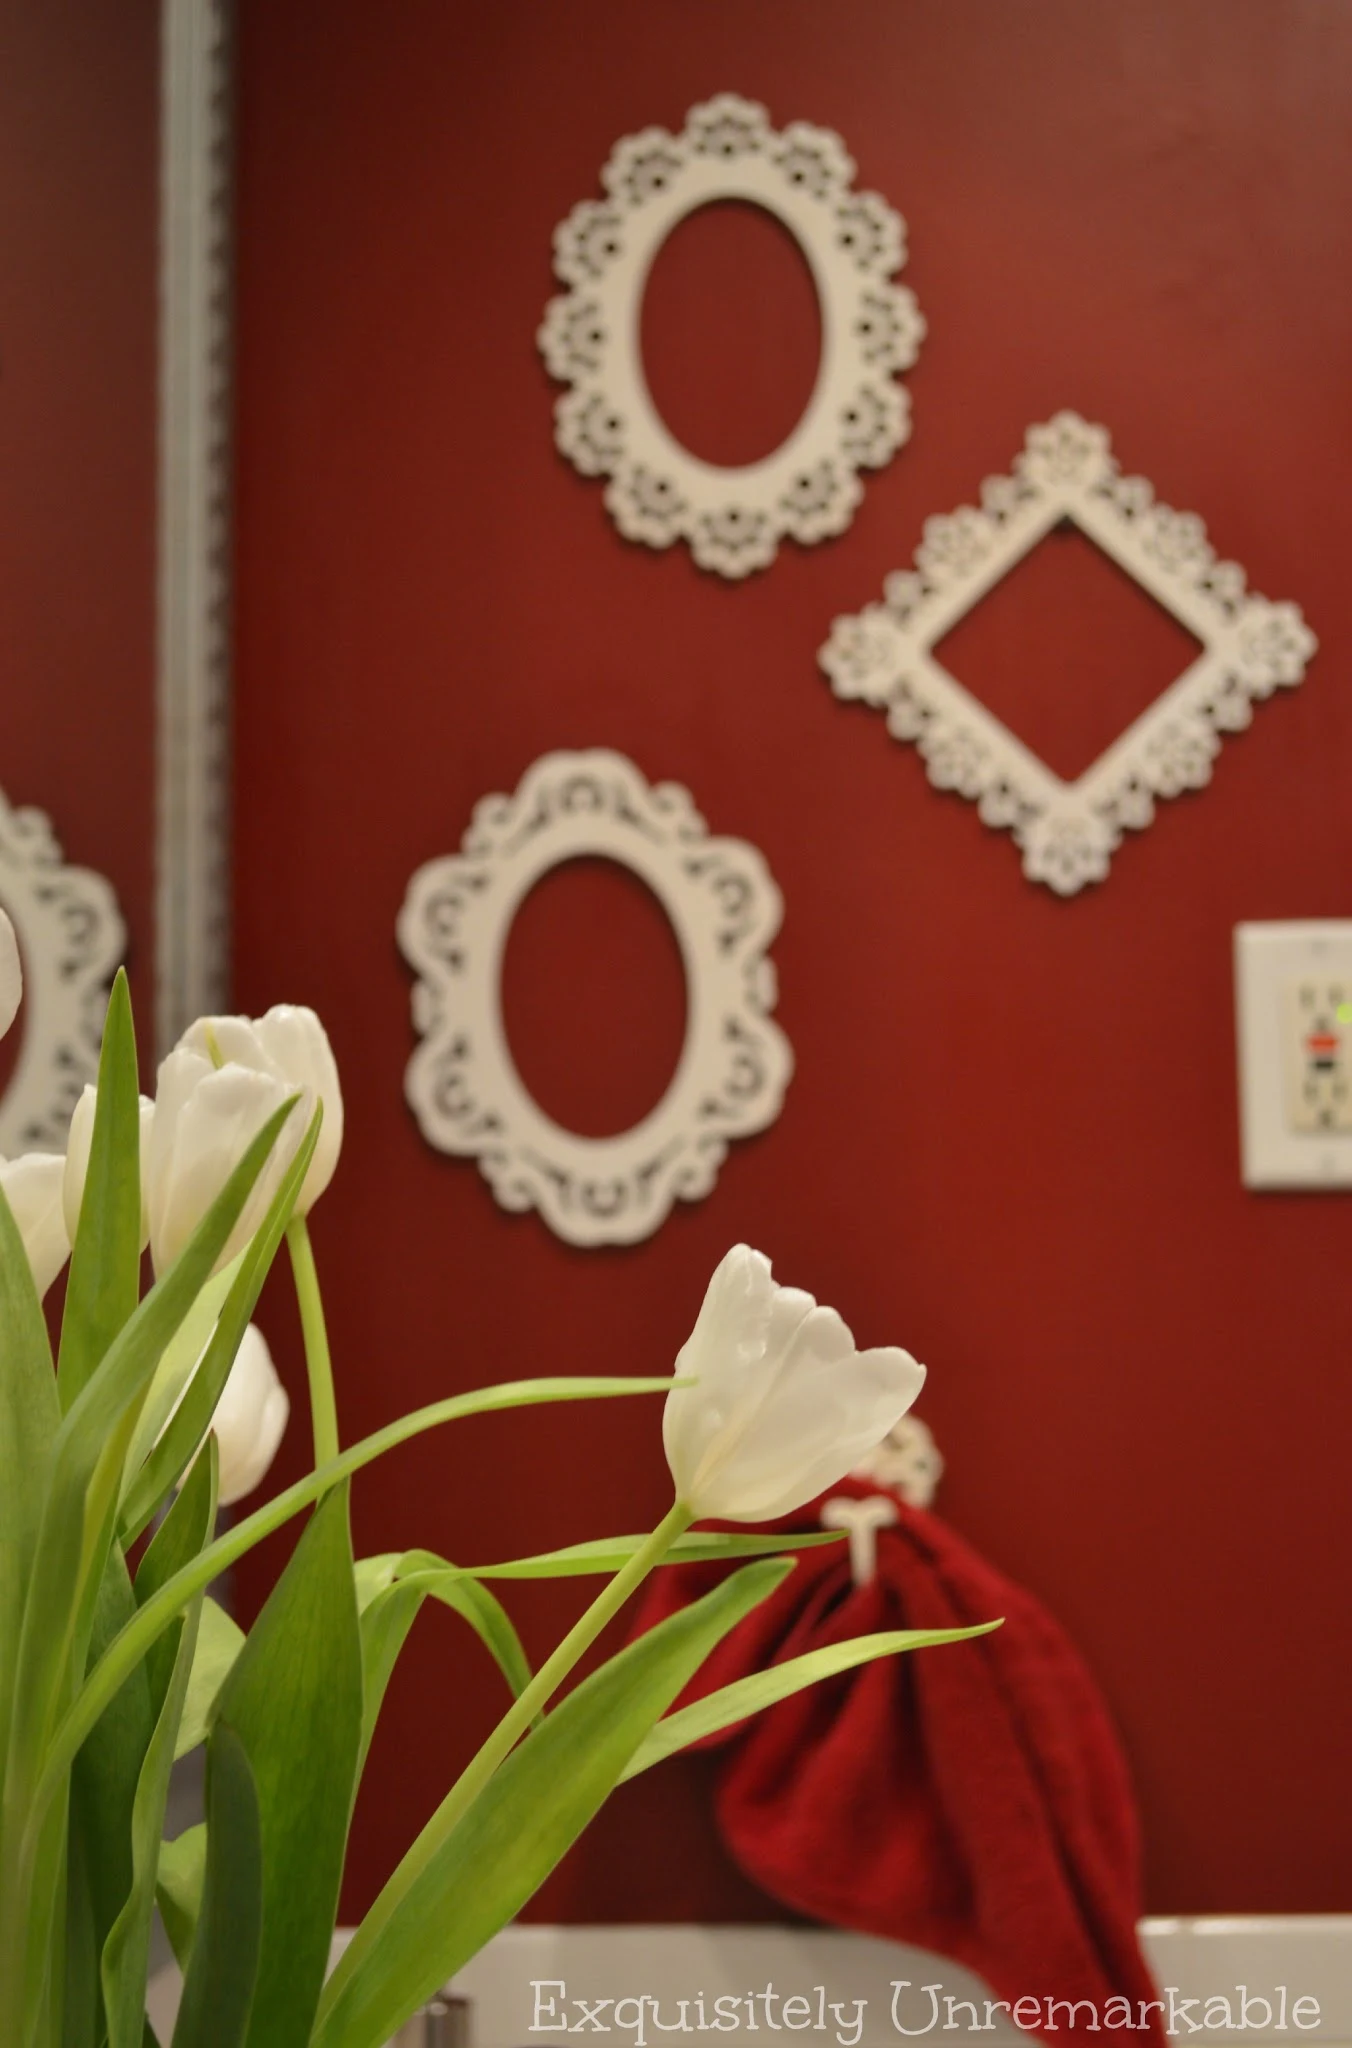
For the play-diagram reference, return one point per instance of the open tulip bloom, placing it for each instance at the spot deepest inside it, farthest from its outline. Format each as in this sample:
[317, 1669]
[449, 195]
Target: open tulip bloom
[114, 1660]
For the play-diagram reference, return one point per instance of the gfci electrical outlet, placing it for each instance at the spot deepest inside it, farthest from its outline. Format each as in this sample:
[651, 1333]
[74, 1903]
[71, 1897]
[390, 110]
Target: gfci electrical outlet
[1293, 998]
[1317, 1046]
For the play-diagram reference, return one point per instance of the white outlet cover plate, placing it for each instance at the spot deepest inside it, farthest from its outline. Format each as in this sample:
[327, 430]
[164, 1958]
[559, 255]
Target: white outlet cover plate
[1268, 959]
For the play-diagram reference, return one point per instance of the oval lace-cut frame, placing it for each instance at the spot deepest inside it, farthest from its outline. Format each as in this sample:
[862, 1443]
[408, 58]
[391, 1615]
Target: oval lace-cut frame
[858, 415]
[462, 1083]
[71, 937]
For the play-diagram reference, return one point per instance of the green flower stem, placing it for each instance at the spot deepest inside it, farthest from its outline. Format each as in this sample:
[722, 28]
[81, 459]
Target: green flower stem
[127, 1649]
[513, 1725]
[318, 1363]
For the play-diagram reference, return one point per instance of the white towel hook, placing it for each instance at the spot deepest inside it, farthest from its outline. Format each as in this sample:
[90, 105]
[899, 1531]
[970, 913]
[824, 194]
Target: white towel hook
[862, 1519]
[907, 1461]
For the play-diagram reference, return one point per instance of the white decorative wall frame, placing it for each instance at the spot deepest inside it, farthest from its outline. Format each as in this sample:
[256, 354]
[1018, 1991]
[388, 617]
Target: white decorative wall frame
[1067, 831]
[71, 937]
[857, 416]
[462, 1083]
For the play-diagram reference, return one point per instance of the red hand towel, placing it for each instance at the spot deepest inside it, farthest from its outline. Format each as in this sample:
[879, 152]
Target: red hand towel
[971, 1798]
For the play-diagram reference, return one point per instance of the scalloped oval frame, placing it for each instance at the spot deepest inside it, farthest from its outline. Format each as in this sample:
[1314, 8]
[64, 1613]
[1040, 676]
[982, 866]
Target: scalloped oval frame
[1067, 832]
[71, 937]
[735, 1063]
[857, 416]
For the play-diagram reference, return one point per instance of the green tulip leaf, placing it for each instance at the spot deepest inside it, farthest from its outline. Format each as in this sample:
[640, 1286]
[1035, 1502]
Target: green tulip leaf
[81, 2010]
[391, 1589]
[176, 1368]
[89, 1448]
[385, 1623]
[746, 1696]
[105, 1773]
[485, 1614]
[529, 1813]
[178, 1888]
[219, 1982]
[293, 1701]
[30, 1415]
[131, 1645]
[609, 1553]
[597, 1558]
[192, 1418]
[219, 1642]
[31, 1932]
[185, 1530]
[182, 1535]
[104, 1282]
[372, 1576]
[69, 1557]
[389, 1610]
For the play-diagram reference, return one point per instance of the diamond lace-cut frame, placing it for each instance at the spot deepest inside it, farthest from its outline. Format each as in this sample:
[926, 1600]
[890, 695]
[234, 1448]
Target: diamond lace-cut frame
[858, 415]
[71, 937]
[735, 1063]
[1067, 831]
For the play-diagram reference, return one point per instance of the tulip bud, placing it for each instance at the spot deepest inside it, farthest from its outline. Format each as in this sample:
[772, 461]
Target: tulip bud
[290, 1045]
[250, 1418]
[78, 1143]
[782, 1406]
[205, 1119]
[32, 1187]
[11, 974]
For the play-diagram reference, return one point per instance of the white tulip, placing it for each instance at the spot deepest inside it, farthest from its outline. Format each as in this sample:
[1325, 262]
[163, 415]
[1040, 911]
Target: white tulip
[782, 1406]
[289, 1045]
[32, 1188]
[11, 974]
[250, 1418]
[205, 1119]
[78, 1143]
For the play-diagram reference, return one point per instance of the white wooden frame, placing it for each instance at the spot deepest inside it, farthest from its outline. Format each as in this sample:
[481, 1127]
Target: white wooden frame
[1067, 831]
[71, 937]
[192, 833]
[462, 1083]
[857, 416]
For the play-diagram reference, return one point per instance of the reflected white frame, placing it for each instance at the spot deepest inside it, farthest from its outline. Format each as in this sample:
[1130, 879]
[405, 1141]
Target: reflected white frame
[462, 1082]
[858, 414]
[1067, 831]
[71, 937]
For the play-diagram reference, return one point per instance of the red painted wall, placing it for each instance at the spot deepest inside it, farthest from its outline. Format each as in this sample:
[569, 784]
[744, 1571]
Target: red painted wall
[1011, 1141]
[79, 163]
